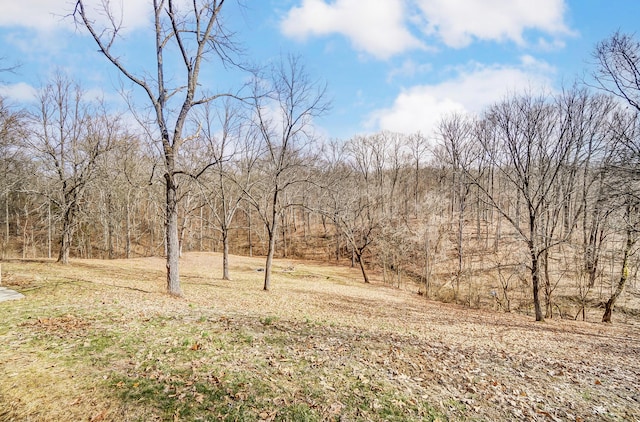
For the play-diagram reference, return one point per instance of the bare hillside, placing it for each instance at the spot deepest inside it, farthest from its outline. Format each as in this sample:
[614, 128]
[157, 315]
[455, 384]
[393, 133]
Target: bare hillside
[99, 340]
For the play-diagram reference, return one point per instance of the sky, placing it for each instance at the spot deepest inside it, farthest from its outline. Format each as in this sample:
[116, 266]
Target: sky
[396, 65]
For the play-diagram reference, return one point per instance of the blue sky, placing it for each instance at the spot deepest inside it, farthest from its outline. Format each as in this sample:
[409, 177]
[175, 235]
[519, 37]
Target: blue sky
[389, 64]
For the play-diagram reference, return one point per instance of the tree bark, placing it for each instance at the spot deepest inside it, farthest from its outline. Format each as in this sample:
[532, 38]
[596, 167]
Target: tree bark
[548, 288]
[270, 252]
[65, 244]
[624, 275]
[364, 272]
[127, 247]
[225, 254]
[172, 241]
[110, 228]
[249, 237]
[49, 228]
[535, 278]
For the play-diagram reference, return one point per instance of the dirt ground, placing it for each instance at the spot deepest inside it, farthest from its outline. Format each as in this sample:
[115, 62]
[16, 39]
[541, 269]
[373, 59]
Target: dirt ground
[320, 326]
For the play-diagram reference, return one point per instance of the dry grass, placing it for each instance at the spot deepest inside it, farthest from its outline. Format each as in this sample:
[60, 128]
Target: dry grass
[99, 340]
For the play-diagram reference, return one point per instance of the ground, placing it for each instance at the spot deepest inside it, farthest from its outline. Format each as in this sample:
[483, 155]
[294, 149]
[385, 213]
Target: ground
[101, 341]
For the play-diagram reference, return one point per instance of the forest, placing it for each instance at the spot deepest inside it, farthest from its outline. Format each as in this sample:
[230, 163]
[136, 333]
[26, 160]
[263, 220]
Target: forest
[531, 206]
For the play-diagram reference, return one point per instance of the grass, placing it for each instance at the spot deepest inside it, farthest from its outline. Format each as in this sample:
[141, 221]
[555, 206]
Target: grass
[100, 341]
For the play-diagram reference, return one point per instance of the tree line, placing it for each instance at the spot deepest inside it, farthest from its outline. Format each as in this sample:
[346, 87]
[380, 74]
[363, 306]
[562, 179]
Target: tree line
[537, 196]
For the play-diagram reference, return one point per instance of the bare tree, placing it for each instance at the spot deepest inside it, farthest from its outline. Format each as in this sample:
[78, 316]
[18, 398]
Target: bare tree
[358, 196]
[195, 33]
[357, 215]
[459, 152]
[618, 72]
[70, 134]
[283, 117]
[631, 220]
[225, 134]
[529, 148]
[623, 172]
[618, 67]
[12, 162]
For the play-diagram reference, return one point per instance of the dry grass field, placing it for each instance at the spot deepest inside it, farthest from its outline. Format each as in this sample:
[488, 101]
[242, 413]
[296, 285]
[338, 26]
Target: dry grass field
[100, 341]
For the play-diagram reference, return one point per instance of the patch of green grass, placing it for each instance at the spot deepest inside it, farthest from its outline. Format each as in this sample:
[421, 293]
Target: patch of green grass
[299, 412]
[268, 320]
[97, 344]
[456, 406]
[190, 396]
[188, 362]
[244, 337]
[376, 399]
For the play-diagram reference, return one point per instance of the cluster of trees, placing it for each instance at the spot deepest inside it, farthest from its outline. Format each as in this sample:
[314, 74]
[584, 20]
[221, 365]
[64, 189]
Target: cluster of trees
[538, 196]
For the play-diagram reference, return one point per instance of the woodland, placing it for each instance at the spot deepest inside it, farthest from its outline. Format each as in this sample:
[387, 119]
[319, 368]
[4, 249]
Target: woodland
[533, 206]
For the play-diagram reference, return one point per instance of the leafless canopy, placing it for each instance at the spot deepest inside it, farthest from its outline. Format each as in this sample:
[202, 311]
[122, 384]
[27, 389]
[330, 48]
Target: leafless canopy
[185, 37]
[618, 67]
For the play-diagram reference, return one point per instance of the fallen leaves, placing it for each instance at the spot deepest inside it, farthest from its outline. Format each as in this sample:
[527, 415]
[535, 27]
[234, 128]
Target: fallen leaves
[68, 323]
[328, 349]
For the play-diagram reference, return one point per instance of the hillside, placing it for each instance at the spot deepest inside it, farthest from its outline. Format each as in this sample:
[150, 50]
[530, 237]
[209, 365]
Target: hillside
[100, 341]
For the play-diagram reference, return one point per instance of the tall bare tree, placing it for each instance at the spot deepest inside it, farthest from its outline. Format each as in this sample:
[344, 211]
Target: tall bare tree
[70, 134]
[359, 196]
[227, 142]
[460, 152]
[623, 170]
[283, 117]
[195, 31]
[12, 162]
[529, 147]
[617, 72]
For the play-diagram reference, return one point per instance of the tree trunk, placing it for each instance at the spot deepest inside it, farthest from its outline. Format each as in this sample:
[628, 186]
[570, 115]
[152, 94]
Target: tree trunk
[624, 275]
[225, 254]
[284, 235]
[110, 228]
[427, 264]
[353, 257]
[548, 289]
[535, 278]
[272, 231]
[172, 243]
[25, 235]
[459, 247]
[364, 272]
[49, 230]
[270, 252]
[6, 215]
[249, 234]
[5, 242]
[127, 245]
[67, 234]
[65, 244]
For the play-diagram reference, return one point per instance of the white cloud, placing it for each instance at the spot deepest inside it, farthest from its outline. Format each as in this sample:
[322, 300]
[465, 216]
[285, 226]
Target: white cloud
[47, 15]
[19, 92]
[459, 22]
[377, 28]
[381, 28]
[474, 88]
